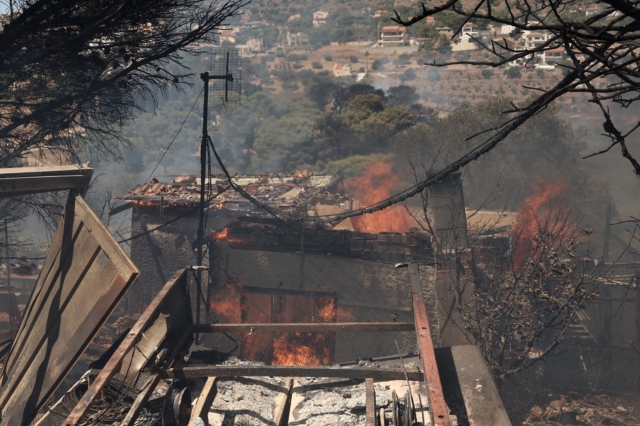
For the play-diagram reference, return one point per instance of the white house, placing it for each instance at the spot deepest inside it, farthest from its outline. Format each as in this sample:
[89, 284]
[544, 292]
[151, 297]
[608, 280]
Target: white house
[393, 35]
[320, 18]
[342, 70]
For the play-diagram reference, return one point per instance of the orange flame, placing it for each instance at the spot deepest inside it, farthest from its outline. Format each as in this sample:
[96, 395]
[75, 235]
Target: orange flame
[375, 185]
[223, 235]
[529, 216]
[226, 300]
[310, 349]
[181, 178]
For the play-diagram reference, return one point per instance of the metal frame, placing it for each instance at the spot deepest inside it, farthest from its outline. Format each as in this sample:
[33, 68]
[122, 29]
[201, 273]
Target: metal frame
[151, 316]
[427, 374]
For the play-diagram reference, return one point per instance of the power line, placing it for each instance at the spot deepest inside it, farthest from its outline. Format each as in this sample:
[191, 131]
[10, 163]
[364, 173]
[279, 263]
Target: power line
[174, 138]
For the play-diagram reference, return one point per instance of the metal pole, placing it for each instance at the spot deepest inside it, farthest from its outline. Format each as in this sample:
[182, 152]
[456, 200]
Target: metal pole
[9, 291]
[203, 175]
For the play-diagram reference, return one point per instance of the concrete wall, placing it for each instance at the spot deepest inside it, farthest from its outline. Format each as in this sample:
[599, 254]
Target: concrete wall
[366, 291]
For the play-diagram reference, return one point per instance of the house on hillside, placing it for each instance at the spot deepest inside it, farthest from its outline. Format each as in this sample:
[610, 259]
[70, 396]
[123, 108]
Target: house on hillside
[430, 20]
[445, 31]
[227, 34]
[507, 29]
[342, 70]
[296, 39]
[536, 39]
[594, 9]
[320, 18]
[294, 17]
[393, 35]
[554, 55]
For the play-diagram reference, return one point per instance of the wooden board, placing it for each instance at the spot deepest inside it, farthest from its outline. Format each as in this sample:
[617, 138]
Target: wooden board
[83, 278]
[17, 181]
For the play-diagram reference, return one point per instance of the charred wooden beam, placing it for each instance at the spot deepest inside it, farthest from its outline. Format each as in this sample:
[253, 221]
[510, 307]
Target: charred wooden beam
[437, 404]
[370, 402]
[140, 400]
[112, 366]
[219, 371]
[208, 394]
[304, 327]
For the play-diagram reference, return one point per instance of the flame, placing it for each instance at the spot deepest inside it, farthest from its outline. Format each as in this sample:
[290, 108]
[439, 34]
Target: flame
[529, 217]
[227, 300]
[223, 235]
[181, 178]
[373, 186]
[311, 349]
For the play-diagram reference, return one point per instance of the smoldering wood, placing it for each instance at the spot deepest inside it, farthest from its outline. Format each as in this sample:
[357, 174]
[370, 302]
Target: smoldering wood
[219, 371]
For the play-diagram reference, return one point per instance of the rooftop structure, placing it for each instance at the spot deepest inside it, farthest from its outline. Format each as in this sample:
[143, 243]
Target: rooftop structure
[393, 35]
[297, 194]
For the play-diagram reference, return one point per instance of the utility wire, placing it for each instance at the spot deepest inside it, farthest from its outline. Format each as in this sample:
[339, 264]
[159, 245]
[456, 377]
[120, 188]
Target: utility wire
[172, 220]
[174, 138]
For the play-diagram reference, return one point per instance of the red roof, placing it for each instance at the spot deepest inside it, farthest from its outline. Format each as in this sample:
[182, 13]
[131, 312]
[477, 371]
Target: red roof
[392, 29]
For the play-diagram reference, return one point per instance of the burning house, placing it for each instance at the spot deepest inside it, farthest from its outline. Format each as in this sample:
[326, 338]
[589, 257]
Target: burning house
[260, 269]
[151, 371]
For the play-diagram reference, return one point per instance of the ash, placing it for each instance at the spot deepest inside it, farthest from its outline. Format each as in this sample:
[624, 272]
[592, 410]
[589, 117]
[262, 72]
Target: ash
[330, 401]
[246, 401]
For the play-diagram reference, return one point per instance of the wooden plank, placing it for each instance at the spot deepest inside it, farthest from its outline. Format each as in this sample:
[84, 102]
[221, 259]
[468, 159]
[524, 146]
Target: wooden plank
[383, 419]
[140, 400]
[370, 402]
[86, 275]
[304, 327]
[438, 406]
[202, 406]
[281, 403]
[132, 338]
[13, 187]
[219, 371]
[44, 171]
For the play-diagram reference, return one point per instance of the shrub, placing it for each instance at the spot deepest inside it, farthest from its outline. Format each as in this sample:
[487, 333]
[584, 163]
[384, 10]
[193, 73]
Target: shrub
[316, 65]
[513, 72]
[433, 74]
[328, 58]
[353, 59]
[487, 73]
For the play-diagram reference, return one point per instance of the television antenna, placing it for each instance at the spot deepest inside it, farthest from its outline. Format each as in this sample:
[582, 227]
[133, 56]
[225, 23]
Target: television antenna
[224, 81]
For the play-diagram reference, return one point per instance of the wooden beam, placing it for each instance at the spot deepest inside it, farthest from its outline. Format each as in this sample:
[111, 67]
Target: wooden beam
[31, 180]
[304, 327]
[140, 400]
[219, 371]
[208, 394]
[371, 402]
[438, 406]
[129, 342]
[281, 403]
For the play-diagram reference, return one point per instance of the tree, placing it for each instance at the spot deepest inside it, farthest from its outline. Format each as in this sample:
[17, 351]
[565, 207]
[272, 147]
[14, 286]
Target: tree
[74, 72]
[602, 46]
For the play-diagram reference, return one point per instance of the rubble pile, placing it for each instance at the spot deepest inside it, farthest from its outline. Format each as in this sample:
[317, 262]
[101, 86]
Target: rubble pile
[329, 401]
[295, 193]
